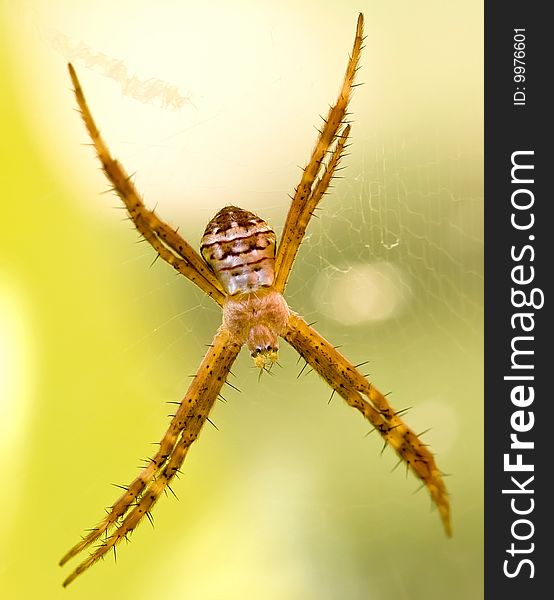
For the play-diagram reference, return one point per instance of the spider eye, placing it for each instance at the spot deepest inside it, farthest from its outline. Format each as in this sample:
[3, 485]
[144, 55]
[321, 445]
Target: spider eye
[268, 348]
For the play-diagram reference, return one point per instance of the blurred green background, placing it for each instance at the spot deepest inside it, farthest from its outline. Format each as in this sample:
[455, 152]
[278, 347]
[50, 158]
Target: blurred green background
[216, 104]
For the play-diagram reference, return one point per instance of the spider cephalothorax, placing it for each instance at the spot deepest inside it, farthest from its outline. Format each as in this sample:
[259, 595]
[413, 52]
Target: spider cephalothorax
[258, 319]
[245, 275]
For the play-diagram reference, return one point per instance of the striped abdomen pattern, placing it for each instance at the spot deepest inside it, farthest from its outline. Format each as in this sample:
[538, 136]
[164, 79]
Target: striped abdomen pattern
[240, 248]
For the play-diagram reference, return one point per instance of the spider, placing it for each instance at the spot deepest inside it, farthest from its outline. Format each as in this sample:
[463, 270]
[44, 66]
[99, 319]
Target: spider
[244, 272]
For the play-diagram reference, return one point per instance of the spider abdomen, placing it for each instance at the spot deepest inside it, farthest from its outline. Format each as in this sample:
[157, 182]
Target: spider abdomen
[240, 248]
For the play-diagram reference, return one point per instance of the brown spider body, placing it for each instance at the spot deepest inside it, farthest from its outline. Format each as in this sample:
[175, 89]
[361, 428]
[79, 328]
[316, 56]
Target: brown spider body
[241, 270]
[240, 248]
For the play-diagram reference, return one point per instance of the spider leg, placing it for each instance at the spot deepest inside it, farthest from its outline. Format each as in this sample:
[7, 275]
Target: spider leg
[184, 428]
[318, 173]
[343, 377]
[165, 240]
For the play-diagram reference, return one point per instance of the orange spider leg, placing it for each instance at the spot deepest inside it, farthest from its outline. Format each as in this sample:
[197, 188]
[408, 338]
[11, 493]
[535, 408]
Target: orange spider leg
[307, 194]
[344, 378]
[144, 491]
[165, 240]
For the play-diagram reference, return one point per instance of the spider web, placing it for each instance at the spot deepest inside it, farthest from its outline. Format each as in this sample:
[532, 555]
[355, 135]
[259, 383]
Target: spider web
[399, 246]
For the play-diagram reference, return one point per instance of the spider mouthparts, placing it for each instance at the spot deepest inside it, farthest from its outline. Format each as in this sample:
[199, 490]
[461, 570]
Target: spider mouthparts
[265, 358]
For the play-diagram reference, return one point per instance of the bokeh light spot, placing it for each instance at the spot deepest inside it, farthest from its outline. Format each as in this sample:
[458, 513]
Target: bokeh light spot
[363, 293]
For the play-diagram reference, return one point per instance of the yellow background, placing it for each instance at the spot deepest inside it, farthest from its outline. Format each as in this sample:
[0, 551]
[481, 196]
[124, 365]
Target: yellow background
[289, 499]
